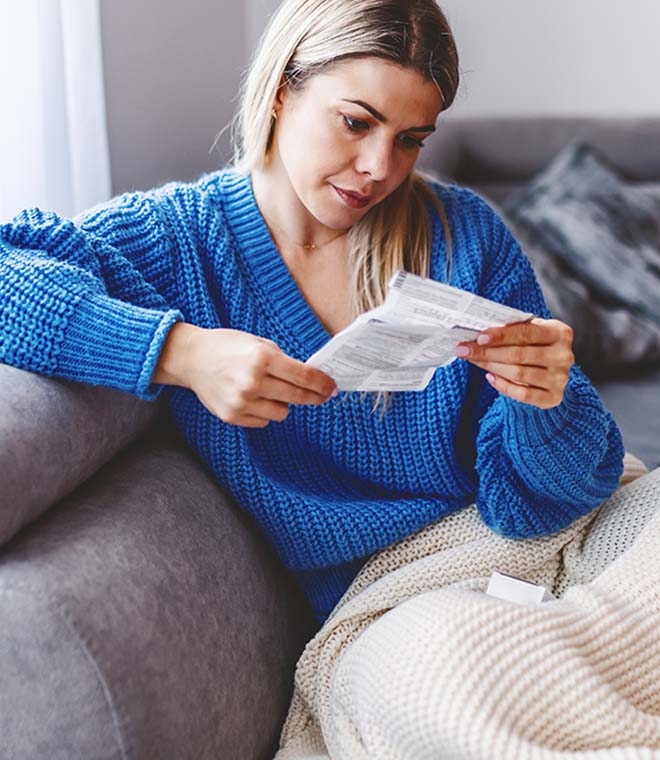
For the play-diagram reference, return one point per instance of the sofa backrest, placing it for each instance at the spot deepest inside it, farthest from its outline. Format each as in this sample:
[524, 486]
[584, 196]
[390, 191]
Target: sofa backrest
[54, 434]
[498, 155]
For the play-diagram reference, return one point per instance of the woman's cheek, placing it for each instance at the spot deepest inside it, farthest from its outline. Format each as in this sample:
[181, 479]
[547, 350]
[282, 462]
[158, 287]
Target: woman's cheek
[329, 140]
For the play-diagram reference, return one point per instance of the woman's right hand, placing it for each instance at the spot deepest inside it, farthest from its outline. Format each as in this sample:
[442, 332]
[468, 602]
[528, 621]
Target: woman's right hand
[239, 377]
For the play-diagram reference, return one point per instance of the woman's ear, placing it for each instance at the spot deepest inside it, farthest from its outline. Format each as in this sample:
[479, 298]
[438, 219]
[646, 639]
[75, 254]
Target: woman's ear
[281, 94]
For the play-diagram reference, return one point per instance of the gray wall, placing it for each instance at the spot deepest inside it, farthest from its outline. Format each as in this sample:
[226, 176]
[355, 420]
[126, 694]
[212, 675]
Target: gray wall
[536, 58]
[575, 58]
[171, 72]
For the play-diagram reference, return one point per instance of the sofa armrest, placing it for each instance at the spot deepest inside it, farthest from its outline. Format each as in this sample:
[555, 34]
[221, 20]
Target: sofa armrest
[54, 434]
[161, 614]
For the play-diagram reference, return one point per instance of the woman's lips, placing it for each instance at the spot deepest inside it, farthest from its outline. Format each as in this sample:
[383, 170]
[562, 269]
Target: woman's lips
[352, 199]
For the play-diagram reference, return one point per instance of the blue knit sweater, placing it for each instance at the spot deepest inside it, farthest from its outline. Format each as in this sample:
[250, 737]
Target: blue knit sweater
[92, 300]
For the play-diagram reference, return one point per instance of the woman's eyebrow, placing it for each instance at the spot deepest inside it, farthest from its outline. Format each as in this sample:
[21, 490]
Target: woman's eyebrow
[379, 116]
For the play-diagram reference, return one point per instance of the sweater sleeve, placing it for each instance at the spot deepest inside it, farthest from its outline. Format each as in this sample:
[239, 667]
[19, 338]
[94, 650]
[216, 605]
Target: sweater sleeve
[87, 299]
[538, 469]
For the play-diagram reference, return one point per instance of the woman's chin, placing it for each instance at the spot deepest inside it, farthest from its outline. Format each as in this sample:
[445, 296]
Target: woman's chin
[333, 218]
[338, 221]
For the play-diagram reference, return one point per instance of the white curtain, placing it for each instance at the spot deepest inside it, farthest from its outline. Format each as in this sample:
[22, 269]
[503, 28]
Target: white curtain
[53, 140]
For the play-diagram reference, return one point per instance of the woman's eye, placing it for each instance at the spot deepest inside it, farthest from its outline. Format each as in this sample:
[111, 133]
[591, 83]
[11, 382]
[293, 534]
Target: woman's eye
[355, 125]
[411, 142]
[358, 125]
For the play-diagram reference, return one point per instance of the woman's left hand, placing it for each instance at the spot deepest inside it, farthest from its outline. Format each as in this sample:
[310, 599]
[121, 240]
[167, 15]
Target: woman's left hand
[528, 361]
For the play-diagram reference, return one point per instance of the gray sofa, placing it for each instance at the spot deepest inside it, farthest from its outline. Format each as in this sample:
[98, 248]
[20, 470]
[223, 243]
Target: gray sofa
[142, 615]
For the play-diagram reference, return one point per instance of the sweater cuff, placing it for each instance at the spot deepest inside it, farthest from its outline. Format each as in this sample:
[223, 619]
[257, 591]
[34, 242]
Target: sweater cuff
[116, 344]
[533, 426]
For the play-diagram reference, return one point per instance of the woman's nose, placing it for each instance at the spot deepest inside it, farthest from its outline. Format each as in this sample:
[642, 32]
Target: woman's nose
[375, 159]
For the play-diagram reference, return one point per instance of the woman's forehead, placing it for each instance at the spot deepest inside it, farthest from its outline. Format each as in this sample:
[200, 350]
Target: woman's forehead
[386, 86]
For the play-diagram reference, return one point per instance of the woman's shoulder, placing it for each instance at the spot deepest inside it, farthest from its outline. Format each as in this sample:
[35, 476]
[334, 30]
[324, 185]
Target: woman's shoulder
[180, 195]
[194, 208]
[473, 219]
[209, 183]
[461, 203]
[484, 249]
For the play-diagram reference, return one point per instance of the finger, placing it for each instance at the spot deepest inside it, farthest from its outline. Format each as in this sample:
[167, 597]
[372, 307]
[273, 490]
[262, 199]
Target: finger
[292, 371]
[240, 420]
[535, 356]
[253, 413]
[536, 332]
[280, 390]
[267, 409]
[537, 377]
[525, 393]
[249, 420]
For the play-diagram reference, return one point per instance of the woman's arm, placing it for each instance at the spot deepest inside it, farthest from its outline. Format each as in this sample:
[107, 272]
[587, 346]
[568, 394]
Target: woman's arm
[88, 299]
[539, 468]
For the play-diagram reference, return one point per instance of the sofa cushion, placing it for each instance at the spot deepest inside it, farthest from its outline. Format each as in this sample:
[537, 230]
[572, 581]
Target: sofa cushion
[54, 434]
[594, 242]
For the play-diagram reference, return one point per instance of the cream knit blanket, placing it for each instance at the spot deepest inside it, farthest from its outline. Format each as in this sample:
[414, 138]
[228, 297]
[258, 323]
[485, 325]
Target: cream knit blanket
[417, 662]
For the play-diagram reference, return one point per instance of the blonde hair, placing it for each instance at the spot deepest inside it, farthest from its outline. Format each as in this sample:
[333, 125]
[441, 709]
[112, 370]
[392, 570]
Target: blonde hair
[307, 36]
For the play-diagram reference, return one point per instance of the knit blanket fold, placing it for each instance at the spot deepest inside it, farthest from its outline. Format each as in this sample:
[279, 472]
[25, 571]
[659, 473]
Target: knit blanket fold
[416, 661]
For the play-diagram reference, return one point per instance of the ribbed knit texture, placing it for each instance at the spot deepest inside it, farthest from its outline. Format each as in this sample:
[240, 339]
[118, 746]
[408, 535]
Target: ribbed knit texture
[92, 300]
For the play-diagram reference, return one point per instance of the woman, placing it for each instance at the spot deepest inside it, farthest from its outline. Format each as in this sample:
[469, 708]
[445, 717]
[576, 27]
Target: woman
[216, 292]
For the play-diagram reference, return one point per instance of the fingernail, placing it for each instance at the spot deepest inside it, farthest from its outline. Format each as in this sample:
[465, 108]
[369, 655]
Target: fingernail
[483, 339]
[462, 351]
[335, 392]
[490, 378]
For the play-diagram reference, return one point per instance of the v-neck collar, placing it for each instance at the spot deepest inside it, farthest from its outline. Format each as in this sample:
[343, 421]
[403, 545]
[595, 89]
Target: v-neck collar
[270, 272]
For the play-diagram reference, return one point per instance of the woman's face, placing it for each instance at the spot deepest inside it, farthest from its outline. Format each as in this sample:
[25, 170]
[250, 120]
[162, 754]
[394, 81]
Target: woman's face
[358, 128]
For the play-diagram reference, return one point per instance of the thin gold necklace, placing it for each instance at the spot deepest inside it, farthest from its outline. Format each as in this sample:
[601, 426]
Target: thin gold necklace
[309, 246]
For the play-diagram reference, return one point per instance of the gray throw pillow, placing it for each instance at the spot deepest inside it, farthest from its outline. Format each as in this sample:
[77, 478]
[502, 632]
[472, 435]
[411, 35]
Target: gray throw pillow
[594, 242]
